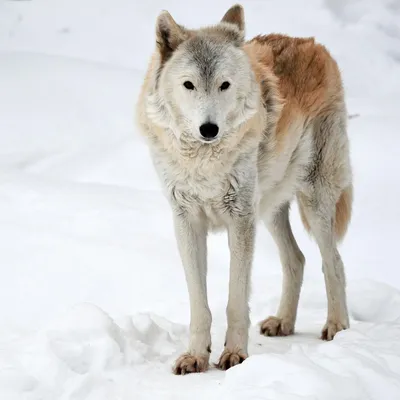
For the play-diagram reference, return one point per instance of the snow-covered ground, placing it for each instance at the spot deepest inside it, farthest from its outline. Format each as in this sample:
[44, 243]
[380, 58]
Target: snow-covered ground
[93, 299]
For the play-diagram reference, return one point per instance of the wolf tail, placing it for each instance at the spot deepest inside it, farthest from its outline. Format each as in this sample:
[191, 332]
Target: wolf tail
[342, 213]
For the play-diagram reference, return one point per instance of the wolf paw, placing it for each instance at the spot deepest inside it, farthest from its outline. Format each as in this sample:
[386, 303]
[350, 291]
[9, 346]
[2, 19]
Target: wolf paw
[331, 328]
[229, 359]
[274, 326]
[187, 364]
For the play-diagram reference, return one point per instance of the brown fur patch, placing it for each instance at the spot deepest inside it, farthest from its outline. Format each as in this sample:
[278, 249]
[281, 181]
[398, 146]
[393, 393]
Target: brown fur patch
[308, 78]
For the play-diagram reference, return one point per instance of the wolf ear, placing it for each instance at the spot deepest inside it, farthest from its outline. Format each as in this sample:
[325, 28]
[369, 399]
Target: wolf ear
[169, 35]
[235, 16]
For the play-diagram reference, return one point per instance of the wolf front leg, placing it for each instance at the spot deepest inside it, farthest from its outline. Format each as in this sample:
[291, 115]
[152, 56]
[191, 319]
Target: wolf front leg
[241, 234]
[292, 260]
[192, 244]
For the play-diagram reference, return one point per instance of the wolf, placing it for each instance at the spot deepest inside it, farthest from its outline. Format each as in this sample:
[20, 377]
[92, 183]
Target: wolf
[237, 130]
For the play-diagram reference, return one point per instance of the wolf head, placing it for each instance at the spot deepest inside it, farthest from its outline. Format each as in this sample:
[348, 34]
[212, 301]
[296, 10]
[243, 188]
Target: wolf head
[204, 87]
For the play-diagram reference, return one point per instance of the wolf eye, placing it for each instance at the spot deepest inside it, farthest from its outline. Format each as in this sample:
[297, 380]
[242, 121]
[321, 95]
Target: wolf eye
[225, 85]
[188, 85]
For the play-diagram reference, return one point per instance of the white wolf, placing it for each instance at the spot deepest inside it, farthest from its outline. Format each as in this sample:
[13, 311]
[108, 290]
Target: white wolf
[236, 130]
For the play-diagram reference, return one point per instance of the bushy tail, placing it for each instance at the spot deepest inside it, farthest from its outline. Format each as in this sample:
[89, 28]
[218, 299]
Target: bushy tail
[342, 214]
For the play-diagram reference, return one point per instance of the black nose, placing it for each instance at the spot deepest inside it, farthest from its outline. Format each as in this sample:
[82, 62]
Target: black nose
[209, 130]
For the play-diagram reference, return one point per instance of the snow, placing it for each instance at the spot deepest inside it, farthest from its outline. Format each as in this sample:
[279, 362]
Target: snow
[93, 298]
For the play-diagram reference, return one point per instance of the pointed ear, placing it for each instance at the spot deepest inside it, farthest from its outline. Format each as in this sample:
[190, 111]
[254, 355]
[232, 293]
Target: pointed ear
[169, 35]
[235, 16]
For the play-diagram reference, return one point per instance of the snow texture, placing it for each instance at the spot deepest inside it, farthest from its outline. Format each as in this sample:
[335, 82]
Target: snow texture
[94, 303]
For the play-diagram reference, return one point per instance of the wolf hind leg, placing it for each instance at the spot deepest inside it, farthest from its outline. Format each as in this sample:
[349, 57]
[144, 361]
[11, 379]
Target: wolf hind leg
[320, 214]
[325, 201]
[292, 260]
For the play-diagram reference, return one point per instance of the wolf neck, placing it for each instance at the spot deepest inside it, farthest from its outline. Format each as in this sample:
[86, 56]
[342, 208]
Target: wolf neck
[195, 157]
